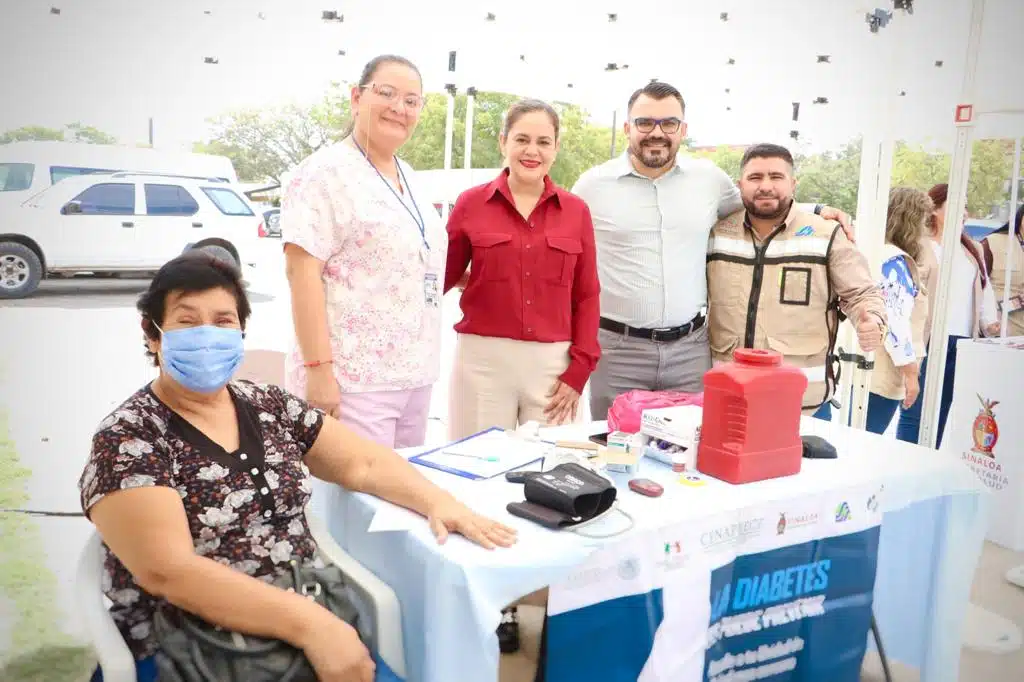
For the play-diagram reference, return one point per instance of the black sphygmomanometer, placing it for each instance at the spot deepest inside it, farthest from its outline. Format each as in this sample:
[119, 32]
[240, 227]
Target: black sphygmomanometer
[565, 497]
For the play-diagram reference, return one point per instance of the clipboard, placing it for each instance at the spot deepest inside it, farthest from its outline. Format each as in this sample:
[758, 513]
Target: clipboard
[529, 452]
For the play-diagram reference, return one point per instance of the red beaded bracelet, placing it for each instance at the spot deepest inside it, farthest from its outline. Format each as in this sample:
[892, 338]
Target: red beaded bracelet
[317, 363]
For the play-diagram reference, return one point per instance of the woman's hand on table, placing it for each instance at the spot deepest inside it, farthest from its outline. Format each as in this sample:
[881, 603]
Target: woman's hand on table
[448, 515]
[562, 404]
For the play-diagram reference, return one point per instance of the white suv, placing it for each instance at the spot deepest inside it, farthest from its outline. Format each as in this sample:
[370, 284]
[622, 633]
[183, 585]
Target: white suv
[121, 223]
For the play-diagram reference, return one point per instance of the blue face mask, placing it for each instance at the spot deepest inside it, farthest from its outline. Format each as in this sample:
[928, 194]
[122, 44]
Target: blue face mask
[202, 359]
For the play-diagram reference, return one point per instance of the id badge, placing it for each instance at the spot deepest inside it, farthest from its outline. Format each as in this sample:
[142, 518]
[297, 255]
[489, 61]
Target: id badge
[431, 292]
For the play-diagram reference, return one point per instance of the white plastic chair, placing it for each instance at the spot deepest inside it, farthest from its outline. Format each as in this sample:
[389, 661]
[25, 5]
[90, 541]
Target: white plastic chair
[379, 604]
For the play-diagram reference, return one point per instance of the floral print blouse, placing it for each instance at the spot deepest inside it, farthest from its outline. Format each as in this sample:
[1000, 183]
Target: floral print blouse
[246, 509]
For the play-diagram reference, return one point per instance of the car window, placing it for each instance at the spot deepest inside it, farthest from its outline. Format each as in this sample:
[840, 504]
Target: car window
[110, 198]
[169, 200]
[58, 173]
[227, 201]
[16, 177]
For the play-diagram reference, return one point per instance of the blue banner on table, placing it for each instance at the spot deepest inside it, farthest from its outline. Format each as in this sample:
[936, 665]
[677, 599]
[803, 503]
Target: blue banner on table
[780, 594]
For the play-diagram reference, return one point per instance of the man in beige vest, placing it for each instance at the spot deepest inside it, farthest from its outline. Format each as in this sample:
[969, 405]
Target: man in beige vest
[778, 278]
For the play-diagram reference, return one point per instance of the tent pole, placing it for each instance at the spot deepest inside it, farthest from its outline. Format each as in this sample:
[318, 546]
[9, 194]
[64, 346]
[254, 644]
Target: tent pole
[959, 175]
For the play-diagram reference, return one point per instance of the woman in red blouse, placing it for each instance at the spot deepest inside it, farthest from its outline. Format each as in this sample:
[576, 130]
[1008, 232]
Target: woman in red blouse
[528, 337]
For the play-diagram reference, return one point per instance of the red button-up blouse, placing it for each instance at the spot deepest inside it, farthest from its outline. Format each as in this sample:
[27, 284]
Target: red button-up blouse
[531, 279]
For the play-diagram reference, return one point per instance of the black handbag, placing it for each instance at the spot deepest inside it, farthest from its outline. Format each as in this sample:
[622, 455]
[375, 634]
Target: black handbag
[193, 650]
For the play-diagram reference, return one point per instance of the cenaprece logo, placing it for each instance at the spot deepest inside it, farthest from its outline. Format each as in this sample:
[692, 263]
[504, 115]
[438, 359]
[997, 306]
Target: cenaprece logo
[843, 512]
[985, 430]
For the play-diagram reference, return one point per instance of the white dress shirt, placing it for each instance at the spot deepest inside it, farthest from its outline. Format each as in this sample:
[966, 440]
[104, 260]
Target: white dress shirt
[652, 237]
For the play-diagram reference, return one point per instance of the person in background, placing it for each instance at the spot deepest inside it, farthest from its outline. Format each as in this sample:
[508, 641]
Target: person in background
[527, 340]
[778, 278]
[198, 484]
[653, 209]
[895, 377]
[995, 247]
[365, 258]
[972, 308]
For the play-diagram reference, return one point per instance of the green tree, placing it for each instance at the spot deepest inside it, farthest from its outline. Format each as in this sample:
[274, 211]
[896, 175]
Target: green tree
[830, 177]
[72, 132]
[582, 146]
[263, 144]
[726, 158]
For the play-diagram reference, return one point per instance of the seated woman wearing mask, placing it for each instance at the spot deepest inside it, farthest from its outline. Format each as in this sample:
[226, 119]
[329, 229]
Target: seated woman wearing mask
[198, 484]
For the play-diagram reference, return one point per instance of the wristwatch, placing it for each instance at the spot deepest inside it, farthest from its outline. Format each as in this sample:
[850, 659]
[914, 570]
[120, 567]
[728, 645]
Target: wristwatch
[817, 209]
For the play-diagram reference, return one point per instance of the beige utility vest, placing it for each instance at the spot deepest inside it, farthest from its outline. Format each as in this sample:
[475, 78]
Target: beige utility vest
[997, 245]
[886, 379]
[776, 295]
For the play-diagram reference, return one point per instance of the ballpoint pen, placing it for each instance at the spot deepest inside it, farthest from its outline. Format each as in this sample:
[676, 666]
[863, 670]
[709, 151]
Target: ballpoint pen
[464, 454]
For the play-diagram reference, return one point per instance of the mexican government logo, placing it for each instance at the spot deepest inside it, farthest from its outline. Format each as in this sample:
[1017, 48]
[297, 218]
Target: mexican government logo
[982, 456]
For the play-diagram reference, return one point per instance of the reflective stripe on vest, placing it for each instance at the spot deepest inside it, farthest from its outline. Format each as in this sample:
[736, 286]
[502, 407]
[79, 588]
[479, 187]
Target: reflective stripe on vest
[801, 250]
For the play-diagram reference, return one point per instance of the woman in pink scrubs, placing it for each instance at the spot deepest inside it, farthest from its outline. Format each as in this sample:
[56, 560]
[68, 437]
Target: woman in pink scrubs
[365, 255]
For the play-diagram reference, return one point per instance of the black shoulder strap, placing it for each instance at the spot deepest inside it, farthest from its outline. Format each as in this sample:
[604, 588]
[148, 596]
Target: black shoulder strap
[988, 254]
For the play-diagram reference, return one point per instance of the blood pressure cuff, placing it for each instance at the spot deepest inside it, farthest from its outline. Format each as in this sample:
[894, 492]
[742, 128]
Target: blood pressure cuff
[564, 496]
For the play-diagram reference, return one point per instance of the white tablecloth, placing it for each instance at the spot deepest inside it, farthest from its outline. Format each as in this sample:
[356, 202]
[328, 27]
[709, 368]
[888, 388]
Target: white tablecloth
[932, 533]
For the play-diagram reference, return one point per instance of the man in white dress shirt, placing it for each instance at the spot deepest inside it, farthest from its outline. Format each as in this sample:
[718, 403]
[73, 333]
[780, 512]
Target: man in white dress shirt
[653, 210]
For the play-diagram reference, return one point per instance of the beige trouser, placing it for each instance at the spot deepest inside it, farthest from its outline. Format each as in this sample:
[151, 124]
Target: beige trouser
[501, 382]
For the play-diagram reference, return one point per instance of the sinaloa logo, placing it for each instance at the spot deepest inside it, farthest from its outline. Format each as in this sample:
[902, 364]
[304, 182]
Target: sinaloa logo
[985, 430]
[843, 512]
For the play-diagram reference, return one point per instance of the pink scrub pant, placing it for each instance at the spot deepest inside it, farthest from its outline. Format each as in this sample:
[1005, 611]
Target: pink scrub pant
[394, 419]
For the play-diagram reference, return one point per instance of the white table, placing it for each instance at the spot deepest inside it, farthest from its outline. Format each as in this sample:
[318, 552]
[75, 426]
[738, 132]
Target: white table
[935, 511]
[986, 430]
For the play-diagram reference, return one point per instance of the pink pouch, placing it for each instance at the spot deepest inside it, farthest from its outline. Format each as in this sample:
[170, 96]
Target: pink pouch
[627, 409]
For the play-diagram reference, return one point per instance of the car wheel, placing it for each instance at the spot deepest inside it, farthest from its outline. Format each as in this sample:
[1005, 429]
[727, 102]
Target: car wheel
[20, 270]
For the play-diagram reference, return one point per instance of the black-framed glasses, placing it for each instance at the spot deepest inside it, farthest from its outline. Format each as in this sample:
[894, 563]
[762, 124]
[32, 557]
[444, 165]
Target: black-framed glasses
[668, 125]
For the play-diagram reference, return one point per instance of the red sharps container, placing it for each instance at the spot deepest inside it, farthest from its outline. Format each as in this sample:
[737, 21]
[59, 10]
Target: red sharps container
[750, 430]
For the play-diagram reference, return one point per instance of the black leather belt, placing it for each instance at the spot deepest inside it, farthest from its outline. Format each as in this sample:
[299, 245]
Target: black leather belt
[666, 334]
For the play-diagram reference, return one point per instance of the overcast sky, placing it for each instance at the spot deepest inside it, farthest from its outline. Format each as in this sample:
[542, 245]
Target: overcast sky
[115, 63]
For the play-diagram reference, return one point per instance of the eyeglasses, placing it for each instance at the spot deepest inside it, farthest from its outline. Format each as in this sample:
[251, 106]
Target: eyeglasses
[668, 125]
[390, 94]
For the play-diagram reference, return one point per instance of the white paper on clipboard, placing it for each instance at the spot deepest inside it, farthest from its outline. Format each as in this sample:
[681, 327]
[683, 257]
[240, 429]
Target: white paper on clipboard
[484, 455]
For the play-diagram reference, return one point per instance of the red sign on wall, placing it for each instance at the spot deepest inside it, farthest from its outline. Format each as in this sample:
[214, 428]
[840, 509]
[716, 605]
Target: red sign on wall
[964, 113]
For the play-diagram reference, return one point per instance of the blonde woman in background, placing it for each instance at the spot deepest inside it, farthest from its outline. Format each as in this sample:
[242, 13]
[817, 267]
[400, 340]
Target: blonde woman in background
[895, 378]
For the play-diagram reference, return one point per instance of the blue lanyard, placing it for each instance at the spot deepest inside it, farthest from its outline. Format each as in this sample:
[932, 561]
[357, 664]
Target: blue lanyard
[416, 217]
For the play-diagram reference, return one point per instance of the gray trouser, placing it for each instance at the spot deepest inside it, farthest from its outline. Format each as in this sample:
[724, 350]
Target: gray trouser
[628, 363]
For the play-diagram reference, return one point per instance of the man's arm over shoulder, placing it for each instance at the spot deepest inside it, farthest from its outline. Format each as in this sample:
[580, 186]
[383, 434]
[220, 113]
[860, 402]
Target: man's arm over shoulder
[851, 279]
